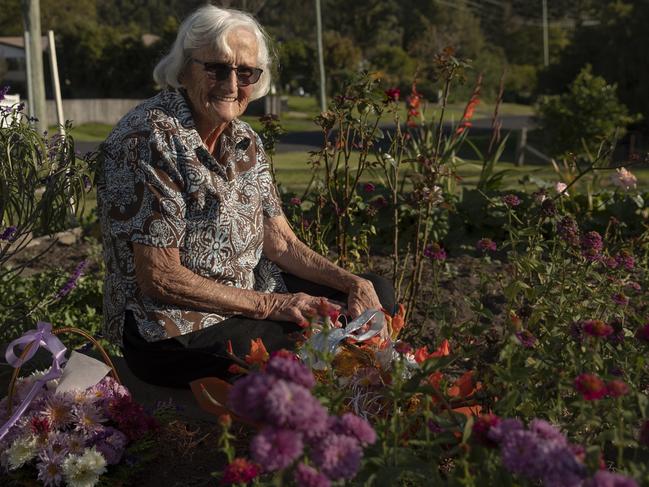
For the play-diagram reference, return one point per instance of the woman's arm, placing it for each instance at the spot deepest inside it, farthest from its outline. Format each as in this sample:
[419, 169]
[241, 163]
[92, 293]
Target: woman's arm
[282, 246]
[161, 276]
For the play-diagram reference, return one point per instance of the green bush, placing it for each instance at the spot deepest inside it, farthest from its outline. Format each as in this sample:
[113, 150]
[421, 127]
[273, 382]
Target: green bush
[581, 119]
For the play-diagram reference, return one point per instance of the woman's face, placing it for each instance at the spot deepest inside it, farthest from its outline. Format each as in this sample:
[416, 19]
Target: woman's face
[215, 103]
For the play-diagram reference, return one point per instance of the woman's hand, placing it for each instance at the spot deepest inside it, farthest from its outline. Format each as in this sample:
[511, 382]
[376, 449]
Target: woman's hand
[361, 297]
[296, 308]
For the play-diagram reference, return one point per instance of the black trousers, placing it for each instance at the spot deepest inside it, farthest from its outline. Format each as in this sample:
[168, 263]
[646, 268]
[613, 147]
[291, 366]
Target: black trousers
[175, 362]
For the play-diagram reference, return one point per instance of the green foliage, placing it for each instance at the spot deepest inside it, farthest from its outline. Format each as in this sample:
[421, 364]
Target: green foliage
[610, 47]
[393, 65]
[580, 120]
[520, 82]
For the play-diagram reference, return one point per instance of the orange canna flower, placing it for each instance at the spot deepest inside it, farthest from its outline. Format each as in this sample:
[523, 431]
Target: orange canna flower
[464, 386]
[397, 322]
[258, 354]
[443, 350]
[421, 354]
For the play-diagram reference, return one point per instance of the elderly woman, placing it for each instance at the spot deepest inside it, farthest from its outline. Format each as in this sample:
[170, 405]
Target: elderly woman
[198, 252]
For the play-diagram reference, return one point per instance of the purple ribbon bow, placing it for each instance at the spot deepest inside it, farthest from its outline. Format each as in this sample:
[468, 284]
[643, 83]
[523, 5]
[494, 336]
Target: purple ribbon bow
[42, 336]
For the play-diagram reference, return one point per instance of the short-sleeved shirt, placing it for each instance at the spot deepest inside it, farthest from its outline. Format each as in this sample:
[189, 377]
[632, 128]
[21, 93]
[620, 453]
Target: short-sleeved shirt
[158, 185]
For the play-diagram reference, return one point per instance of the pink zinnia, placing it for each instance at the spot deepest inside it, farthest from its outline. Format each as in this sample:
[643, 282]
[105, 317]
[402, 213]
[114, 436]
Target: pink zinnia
[617, 388]
[511, 200]
[295, 201]
[435, 252]
[597, 328]
[590, 386]
[486, 244]
[239, 471]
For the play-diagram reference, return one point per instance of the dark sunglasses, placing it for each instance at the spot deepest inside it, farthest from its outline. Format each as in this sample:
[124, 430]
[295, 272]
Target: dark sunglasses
[221, 72]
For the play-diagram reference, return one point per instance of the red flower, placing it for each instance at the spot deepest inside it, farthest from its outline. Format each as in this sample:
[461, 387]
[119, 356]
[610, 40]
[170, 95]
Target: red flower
[295, 201]
[40, 426]
[481, 429]
[590, 387]
[597, 328]
[643, 333]
[617, 388]
[465, 122]
[369, 188]
[393, 94]
[239, 471]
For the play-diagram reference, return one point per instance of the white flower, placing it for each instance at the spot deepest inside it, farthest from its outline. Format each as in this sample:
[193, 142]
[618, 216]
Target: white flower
[560, 188]
[623, 178]
[21, 451]
[84, 470]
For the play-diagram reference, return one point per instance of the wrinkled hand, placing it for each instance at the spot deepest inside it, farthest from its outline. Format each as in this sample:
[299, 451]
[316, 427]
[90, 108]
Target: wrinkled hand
[362, 297]
[296, 308]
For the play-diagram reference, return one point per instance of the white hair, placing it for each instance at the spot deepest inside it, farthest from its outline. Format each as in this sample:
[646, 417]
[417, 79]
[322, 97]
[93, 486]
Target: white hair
[209, 26]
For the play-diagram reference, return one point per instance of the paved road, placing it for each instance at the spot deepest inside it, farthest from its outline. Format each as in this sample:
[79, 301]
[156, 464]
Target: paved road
[312, 140]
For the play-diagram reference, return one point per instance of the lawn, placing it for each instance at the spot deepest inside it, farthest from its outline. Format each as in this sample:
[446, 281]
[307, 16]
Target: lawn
[302, 110]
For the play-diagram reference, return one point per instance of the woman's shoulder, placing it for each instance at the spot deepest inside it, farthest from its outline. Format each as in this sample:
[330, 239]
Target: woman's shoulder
[161, 113]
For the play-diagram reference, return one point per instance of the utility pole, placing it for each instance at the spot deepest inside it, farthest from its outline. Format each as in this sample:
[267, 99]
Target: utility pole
[323, 96]
[546, 46]
[32, 19]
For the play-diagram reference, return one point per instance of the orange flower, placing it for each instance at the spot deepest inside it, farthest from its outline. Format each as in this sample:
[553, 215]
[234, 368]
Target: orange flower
[443, 350]
[464, 386]
[397, 322]
[421, 354]
[258, 354]
[465, 122]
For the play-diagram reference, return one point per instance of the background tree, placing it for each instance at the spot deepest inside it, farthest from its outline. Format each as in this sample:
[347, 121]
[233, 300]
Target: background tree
[581, 119]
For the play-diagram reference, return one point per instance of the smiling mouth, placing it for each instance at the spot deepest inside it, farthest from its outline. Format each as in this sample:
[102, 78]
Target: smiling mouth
[224, 98]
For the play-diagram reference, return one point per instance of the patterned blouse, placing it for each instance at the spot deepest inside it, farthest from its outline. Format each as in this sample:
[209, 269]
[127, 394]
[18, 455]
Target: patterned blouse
[158, 185]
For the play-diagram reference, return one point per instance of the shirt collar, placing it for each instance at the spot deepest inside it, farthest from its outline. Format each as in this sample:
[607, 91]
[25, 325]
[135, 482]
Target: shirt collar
[177, 104]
